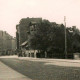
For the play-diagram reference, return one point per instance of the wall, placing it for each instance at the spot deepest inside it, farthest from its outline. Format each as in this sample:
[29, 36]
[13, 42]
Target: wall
[23, 29]
[7, 42]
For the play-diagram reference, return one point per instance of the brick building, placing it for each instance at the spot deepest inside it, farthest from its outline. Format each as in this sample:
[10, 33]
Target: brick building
[25, 29]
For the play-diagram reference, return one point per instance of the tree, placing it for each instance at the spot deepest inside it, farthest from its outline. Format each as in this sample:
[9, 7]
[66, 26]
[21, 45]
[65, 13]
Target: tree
[50, 37]
[40, 40]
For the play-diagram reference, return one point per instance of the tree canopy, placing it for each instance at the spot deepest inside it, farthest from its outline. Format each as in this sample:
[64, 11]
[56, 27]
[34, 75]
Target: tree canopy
[50, 36]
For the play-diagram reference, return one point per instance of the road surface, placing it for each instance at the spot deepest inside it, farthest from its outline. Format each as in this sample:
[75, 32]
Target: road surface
[42, 70]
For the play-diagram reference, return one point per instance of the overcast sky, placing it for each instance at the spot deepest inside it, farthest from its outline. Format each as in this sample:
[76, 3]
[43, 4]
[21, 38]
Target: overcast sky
[11, 11]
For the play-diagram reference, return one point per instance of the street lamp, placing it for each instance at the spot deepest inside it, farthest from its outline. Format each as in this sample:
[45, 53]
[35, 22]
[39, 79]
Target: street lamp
[65, 37]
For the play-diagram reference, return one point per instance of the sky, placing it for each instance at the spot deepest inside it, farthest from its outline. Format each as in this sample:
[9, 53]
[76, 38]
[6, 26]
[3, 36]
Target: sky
[12, 11]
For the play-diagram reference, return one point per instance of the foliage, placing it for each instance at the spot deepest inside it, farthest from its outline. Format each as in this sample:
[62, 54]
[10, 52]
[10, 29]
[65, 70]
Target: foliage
[51, 37]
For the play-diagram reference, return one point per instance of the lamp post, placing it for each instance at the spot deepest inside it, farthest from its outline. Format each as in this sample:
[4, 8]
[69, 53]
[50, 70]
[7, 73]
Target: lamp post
[65, 38]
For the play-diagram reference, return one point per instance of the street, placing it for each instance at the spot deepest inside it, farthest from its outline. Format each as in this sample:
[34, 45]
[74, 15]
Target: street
[42, 69]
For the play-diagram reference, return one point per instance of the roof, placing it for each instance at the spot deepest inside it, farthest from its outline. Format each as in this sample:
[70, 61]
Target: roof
[24, 43]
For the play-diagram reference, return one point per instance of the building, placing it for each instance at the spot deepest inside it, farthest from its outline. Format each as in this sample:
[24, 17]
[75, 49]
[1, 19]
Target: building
[25, 29]
[7, 43]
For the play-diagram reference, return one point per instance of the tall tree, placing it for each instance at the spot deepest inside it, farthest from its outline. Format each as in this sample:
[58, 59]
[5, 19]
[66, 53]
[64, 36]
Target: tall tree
[40, 40]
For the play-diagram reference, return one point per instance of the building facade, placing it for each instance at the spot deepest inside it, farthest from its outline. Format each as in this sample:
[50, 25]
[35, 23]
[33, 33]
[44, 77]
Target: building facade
[25, 29]
[7, 43]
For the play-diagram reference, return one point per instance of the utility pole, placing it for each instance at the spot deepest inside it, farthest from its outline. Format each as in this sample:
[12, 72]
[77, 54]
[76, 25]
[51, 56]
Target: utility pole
[65, 38]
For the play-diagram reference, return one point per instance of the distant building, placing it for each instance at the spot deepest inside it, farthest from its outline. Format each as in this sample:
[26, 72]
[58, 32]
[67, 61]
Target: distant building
[7, 43]
[25, 29]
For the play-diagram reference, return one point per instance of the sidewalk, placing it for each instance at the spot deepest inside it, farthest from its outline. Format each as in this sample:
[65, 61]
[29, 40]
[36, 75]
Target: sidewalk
[7, 73]
[10, 56]
[49, 60]
[42, 59]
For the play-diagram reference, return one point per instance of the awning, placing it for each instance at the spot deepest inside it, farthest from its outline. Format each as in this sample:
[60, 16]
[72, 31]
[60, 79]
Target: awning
[24, 43]
[27, 46]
